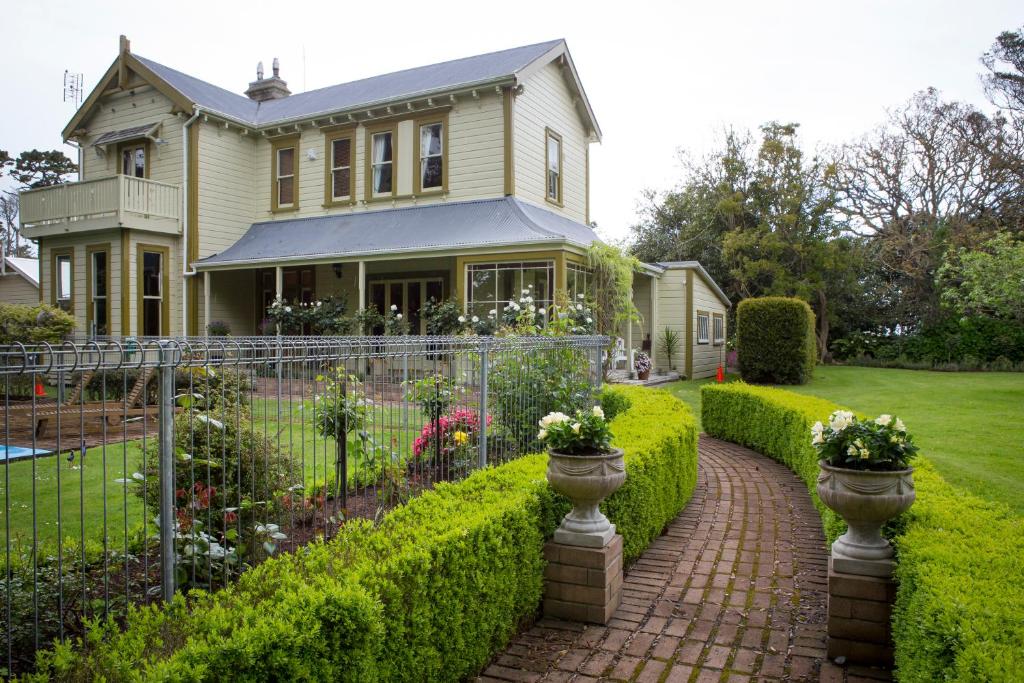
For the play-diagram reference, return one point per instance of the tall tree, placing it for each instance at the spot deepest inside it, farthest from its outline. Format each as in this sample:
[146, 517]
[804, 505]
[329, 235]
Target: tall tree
[35, 169]
[936, 174]
[1004, 83]
[10, 230]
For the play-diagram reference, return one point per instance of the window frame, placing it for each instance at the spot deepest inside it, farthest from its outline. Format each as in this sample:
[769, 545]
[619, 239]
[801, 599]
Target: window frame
[717, 320]
[371, 131]
[165, 286]
[56, 255]
[417, 125]
[550, 264]
[90, 293]
[706, 339]
[134, 145]
[276, 146]
[550, 135]
[573, 271]
[332, 135]
[422, 279]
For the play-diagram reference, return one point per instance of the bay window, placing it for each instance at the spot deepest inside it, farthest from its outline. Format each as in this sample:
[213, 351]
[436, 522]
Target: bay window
[491, 286]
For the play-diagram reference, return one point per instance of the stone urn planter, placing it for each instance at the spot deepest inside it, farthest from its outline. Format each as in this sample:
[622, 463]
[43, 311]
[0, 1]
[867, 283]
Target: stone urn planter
[865, 500]
[586, 480]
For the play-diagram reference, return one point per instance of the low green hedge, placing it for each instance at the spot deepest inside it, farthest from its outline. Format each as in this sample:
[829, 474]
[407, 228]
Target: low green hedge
[430, 594]
[960, 558]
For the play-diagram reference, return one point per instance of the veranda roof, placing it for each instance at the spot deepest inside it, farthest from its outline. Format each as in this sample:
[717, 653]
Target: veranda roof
[504, 221]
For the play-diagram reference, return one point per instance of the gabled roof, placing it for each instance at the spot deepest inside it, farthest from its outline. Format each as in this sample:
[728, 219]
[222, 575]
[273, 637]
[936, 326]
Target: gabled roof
[28, 268]
[433, 227]
[502, 67]
[699, 269]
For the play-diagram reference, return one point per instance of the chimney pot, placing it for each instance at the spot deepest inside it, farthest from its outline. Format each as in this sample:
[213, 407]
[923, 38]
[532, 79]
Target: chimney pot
[277, 68]
[259, 71]
[273, 88]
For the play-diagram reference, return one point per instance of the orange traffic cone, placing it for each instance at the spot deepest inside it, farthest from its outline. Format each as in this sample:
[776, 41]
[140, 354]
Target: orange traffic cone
[720, 377]
[40, 391]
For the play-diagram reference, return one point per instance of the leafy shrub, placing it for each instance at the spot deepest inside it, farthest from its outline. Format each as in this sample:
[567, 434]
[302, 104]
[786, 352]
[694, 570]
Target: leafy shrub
[430, 594]
[555, 379]
[775, 340]
[218, 328]
[961, 582]
[442, 317]
[613, 402]
[33, 324]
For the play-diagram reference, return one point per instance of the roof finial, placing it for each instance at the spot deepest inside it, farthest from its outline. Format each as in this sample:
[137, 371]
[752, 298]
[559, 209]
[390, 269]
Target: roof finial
[124, 45]
[259, 71]
[277, 68]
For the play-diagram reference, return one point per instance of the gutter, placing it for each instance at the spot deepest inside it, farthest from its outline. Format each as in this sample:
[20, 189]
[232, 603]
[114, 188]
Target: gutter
[185, 272]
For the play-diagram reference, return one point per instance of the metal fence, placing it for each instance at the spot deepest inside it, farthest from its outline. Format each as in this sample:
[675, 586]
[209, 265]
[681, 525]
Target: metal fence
[136, 468]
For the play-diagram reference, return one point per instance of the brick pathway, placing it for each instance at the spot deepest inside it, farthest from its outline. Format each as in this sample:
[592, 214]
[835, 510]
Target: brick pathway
[734, 590]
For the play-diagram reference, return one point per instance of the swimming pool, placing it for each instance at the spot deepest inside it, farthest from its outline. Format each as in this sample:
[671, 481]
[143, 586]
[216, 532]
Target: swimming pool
[19, 452]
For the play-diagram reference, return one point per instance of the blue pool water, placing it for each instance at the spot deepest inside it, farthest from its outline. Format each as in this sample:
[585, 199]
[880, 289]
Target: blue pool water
[18, 452]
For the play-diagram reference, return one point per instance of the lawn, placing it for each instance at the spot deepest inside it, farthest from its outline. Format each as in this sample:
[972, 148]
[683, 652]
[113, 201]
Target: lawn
[81, 486]
[970, 424]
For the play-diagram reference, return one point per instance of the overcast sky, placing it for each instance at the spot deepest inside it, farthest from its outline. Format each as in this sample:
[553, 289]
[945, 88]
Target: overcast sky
[661, 76]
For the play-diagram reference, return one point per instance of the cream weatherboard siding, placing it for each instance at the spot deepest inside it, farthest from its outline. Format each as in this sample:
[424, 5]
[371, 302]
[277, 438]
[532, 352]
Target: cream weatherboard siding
[706, 357]
[547, 103]
[225, 186]
[15, 289]
[672, 306]
[475, 162]
[234, 298]
[80, 244]
[136, 107]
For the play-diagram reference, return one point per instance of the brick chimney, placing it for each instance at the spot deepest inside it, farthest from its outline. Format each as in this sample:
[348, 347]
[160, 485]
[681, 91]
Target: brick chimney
[273, 88]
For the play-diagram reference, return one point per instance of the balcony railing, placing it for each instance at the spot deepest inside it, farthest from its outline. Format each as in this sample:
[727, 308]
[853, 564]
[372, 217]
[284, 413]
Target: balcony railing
[118, 201]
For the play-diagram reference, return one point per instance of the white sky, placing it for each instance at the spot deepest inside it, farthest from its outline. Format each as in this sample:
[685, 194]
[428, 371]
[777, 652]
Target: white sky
[660, 76]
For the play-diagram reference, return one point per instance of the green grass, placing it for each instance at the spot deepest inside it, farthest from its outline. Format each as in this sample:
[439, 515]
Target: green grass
[80, 488]
[969, 424]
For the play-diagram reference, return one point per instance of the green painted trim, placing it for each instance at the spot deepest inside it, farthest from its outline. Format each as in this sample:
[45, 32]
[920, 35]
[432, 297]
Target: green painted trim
[689, 324]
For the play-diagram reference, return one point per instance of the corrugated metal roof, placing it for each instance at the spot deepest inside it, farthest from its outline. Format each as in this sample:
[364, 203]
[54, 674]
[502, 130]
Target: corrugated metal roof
[125, 134]
[454, 225]
[420, 81]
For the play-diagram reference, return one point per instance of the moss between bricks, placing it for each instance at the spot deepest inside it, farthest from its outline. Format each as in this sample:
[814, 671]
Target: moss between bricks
[430, 594]
[960, 564]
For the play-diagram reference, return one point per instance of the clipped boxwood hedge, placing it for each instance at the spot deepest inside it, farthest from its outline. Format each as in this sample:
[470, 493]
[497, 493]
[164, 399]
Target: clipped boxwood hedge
[960, 559]
[775, 340]
[430, 594]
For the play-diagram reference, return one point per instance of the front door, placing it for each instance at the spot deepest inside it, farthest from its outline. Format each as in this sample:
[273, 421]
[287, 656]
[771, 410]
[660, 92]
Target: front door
[408, 295]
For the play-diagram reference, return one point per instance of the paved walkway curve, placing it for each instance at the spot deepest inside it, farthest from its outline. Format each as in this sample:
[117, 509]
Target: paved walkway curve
[734, 590]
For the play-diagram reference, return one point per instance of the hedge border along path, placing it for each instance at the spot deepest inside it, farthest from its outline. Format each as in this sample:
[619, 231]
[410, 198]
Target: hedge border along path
[960, 559]
[430, 594]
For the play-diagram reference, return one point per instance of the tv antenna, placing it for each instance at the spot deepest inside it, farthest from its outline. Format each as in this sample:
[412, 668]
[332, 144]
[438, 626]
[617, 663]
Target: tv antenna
[73, 88]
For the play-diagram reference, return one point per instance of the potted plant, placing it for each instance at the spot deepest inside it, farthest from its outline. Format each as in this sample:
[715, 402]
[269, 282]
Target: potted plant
[585, 468]
[668, 344]
[867, 480]
[642, 365]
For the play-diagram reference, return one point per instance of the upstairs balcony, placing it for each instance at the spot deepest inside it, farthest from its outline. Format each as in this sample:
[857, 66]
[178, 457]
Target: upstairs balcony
[117, 202]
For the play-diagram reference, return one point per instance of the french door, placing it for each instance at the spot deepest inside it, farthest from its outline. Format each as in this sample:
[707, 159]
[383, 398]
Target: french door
[408, 295]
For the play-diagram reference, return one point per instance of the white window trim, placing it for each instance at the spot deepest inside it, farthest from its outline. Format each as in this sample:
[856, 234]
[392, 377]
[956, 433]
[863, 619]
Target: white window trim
[423, 157]
[718, 329]
[704, 328]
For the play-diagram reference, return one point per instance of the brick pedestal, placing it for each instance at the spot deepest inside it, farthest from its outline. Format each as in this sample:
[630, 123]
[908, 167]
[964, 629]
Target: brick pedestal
[859, 618]
[583, 584]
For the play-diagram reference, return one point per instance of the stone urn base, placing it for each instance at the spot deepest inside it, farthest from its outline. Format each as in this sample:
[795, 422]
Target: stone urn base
[586, 480]
[865, 500]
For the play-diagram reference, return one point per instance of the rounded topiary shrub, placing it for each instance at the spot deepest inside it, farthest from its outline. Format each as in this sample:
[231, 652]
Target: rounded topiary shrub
[775, 340]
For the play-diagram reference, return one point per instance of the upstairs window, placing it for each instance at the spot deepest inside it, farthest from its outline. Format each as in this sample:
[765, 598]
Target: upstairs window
[703, 327]
[554, 167]
[285, 174]
[382, 162]
[340, 178]
[431, 171]
[133, 160]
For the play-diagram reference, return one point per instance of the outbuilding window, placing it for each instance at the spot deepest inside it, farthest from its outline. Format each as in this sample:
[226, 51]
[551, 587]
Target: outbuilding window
[718, 324]
[703, 327]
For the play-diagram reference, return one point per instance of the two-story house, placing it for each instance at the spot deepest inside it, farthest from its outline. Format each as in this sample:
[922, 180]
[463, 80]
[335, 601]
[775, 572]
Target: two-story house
[465, 179]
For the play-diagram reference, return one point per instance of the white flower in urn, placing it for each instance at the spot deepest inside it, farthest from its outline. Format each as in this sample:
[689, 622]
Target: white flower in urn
[840, 420]
[542, 434]
[817, 433]
[597, 411]
[900, 427]
[883, 420]
[576, 427]
[553, 418]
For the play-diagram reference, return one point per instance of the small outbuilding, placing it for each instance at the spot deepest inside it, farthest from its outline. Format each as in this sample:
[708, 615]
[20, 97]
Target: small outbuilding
[679, 298]
[19, 281]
